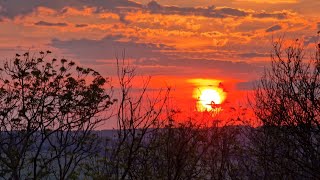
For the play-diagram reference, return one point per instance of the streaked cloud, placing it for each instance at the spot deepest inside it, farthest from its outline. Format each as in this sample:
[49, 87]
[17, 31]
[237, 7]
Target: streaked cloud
[274, 28]
[81, 25]
[210, 11]
[270, 1]
[105, 48]
[15, 8]
[247, 85]
[44, 23]
[275, 15]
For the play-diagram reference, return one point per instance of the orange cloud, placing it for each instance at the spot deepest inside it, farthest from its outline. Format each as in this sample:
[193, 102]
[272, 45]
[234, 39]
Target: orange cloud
[224, 32]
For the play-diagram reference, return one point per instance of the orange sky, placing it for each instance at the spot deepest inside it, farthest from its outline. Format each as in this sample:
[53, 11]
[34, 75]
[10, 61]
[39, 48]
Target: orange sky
[173, 41]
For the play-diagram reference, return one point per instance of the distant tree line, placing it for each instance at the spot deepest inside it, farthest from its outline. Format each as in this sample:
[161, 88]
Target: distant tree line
[49, 109]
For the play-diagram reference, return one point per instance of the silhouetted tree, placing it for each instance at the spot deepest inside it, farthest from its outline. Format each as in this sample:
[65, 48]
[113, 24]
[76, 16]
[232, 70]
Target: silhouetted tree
[48, 109]
[287, 101]
[139, 114]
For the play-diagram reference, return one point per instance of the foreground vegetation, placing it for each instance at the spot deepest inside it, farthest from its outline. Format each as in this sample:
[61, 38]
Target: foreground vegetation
[50, 109]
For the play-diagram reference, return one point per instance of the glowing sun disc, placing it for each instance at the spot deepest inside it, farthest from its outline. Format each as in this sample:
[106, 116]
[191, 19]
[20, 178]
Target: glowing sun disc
[209, 98]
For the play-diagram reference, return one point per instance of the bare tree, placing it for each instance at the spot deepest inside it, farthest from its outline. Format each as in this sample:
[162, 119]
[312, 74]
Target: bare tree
[47, 114]
[139, 115]
[287, 101]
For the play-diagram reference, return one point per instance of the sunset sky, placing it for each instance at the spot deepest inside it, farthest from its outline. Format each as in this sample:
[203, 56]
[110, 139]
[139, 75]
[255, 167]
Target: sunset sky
[185, 44]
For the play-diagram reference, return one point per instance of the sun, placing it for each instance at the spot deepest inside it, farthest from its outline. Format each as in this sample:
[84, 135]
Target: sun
[209, 94]
[210, 99]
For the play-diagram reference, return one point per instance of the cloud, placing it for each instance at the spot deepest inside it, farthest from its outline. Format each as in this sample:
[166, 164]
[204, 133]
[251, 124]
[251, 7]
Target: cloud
[81, 25]
[276, 15]
[154, 7]
[273, 1]
[274, 28]
[248, 85]
[318, 26]
[232, 12]
[310, 40]
[122, 7]
[106, 48]
[151, 58]
[210, 11]
[44, 23]
[253, 55]
[13, 8]
[213, 12]
[213, 65]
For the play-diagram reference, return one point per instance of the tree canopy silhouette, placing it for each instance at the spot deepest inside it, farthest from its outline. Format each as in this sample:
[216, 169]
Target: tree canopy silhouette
[287, 101]
[48, 108]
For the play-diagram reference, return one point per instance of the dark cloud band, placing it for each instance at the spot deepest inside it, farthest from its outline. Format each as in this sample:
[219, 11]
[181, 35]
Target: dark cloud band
[11, 10]
[44, 23]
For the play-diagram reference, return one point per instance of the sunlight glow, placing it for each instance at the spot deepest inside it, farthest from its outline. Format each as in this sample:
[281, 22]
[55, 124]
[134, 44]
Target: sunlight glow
[209, 94]
[210, 99]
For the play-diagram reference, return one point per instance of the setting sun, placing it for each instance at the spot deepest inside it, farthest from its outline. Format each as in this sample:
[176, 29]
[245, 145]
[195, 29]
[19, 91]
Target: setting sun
[210, 99]
[209, 94]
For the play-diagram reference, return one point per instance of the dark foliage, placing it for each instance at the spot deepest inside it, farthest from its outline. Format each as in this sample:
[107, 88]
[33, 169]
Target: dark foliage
[47, 111]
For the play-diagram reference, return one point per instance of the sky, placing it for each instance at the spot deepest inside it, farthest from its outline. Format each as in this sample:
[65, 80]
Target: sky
[185, 44]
